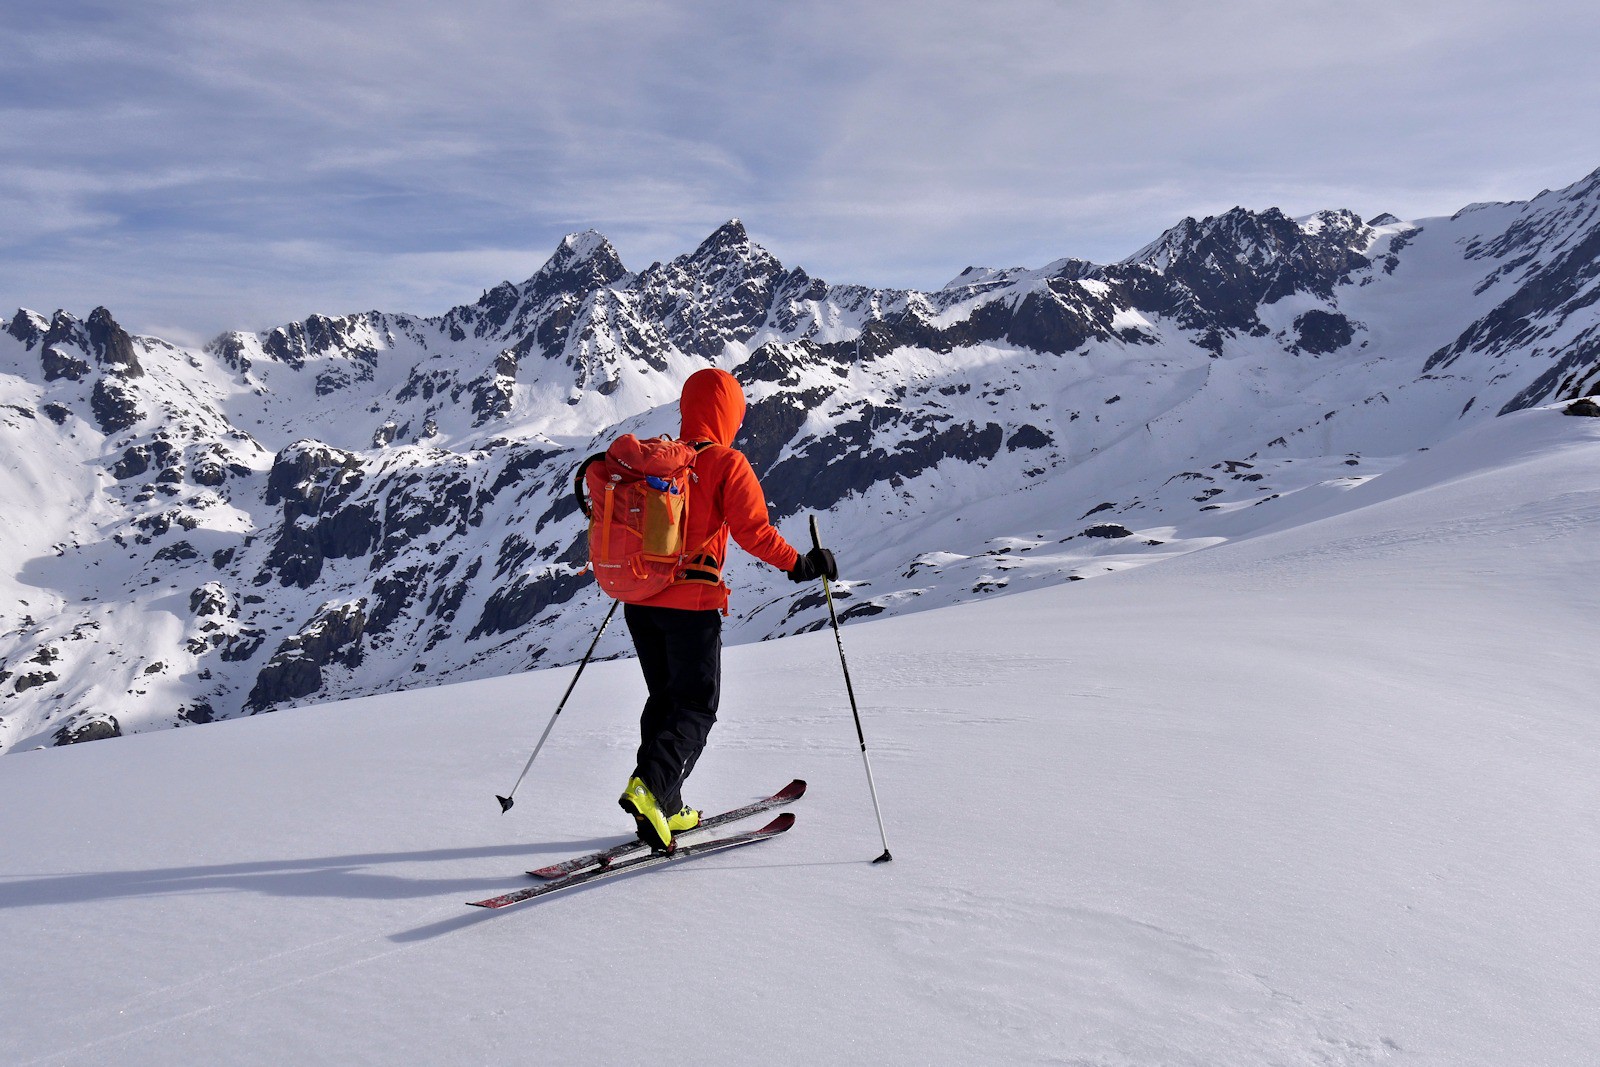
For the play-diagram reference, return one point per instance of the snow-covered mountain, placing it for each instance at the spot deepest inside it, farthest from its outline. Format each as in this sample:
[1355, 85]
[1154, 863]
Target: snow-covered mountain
[352, 505]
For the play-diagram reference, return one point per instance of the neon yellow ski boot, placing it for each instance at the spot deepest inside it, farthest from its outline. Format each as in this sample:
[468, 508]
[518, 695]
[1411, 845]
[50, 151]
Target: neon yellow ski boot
[686, 819]
[649, 820]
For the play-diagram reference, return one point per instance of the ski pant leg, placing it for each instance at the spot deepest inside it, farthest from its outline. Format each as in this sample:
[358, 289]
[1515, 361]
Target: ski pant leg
[680, 653]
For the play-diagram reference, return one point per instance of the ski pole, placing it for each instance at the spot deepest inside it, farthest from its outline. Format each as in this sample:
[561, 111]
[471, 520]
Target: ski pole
[827, 592]
[508, 800]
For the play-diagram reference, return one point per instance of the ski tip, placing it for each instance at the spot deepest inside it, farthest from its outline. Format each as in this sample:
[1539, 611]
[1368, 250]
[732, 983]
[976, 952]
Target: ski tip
[778, 825]
[793, 791]
[505, 804]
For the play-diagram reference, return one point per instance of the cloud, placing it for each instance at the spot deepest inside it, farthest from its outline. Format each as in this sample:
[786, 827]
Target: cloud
[162, 158]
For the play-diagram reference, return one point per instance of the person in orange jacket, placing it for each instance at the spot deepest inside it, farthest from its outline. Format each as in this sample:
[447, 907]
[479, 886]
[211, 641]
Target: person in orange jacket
[678, 632]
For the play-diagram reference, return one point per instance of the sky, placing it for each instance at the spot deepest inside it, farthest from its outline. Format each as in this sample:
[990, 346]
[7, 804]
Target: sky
[204, 165]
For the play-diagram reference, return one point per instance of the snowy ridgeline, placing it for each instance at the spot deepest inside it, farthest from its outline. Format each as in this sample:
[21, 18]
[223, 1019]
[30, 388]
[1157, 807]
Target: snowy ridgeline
[359, 504]
[1323, 795]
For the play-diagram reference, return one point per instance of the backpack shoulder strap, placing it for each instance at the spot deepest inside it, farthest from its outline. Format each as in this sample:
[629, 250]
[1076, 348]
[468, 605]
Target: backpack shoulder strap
[577, 482]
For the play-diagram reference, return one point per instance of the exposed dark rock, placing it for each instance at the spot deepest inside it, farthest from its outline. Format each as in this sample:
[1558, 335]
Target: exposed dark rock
[230, 349]
[295, 669]
[1213, 275]
[436, 503]
[305, 472]
[33, 680]
[111, 345]
[302, 547]
[1029, 437]
[23, 327]
[134, 461]
[199, 711]
[1060, 319]
[242, 646]
[210, 470]
[58, 363]
[512, 607]
[1552, 294]
[391, 595]
[88, 728]
[1107, 530]
[1321, 332]
[212, 599]
[861, 611]
[492, 393]
[824, 471]
[177, 552]
[113, 406]
[782, 363]
[770, 424]
[1582, 406]
[320, 335]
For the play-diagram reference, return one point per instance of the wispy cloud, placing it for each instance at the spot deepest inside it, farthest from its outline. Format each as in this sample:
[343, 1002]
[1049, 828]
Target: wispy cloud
[239, 164]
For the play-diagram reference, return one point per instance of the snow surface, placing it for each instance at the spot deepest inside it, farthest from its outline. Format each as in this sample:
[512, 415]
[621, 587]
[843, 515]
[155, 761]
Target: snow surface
[1324, 794]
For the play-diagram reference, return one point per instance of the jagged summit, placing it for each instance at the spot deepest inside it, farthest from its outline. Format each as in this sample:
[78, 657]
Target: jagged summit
[729, 244]
[581, 262]
[1255, 239]
[730, 234]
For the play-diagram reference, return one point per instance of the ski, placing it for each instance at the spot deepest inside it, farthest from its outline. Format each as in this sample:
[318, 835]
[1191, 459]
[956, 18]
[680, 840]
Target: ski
[697, 848]
[793, 791]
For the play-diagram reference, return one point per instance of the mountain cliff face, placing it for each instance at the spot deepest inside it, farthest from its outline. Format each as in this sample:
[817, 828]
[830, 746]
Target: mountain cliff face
[355, 504]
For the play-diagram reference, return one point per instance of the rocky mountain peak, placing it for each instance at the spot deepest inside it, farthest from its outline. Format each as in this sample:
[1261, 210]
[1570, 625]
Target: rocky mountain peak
[730, 245]
[581, 263]
[719, 293]
[730, 234]
[27, 327]
[111, 345]
[1247, 237]
[1216, 273]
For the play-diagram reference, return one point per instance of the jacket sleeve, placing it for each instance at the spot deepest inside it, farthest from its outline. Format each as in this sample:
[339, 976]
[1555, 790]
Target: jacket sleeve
[745, 507]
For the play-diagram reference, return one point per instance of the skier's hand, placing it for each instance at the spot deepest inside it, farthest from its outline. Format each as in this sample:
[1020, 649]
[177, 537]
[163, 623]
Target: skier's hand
[818, 563]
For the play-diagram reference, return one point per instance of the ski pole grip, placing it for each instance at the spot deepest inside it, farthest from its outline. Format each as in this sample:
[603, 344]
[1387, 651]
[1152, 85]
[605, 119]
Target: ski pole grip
[816, 539]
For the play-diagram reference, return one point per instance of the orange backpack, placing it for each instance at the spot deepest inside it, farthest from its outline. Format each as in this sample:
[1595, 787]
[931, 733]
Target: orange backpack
[638, 504]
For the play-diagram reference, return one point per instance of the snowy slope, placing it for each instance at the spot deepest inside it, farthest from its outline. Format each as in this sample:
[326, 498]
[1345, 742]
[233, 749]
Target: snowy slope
[1319, 795]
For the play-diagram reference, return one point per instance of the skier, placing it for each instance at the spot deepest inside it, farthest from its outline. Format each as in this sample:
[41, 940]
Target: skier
[678, 632]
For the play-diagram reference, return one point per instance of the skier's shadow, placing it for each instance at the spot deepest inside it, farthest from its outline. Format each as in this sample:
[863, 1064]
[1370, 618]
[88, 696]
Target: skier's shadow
[477, 915]
[357, 876]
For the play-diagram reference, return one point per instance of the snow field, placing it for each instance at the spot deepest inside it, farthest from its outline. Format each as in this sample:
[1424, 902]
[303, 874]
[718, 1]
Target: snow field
[1323, 795]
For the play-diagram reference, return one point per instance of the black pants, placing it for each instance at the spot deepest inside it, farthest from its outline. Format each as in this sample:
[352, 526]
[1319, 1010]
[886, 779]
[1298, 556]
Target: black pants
[680, 653]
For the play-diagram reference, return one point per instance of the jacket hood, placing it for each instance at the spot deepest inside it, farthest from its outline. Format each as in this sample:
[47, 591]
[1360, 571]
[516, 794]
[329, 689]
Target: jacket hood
[712, 407]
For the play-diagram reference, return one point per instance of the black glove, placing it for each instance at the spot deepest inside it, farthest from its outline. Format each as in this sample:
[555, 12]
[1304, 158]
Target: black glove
[818, 563]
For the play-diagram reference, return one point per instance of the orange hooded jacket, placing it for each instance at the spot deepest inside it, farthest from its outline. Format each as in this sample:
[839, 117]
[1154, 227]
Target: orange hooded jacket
[725, 496]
